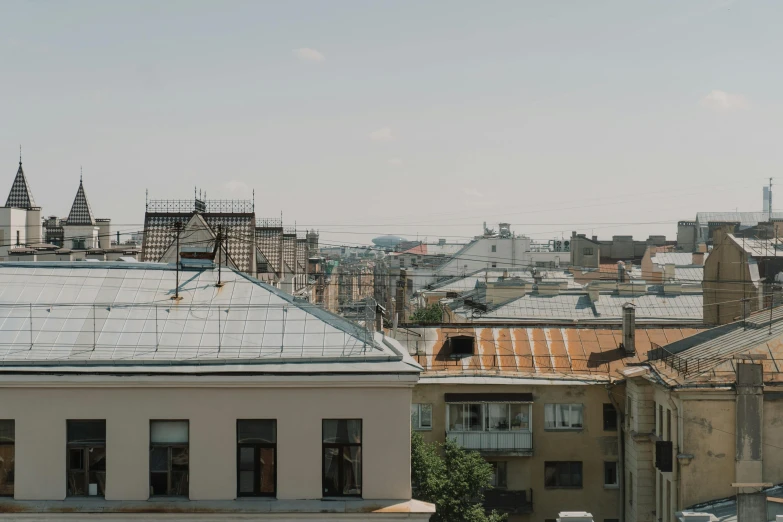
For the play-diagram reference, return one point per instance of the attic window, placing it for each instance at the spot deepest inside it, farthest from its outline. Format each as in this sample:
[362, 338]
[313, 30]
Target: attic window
[461, 345]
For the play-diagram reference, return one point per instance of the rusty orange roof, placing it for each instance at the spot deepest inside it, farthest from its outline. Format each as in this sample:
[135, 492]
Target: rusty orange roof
[552, 352]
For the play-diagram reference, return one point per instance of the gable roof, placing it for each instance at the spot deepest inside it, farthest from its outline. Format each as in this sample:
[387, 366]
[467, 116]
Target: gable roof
[108, 314]
[81, 213]
[20, 196]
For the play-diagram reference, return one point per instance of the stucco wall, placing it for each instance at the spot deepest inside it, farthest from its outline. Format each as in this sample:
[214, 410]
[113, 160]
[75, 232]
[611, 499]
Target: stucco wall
[592, 445]
[41, 414]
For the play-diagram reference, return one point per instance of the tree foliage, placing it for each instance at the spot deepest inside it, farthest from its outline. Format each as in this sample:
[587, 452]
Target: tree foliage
[428, 314]
[454, 482]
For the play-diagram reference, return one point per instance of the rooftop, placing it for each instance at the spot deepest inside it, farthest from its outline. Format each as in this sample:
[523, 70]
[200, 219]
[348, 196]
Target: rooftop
[745, 219]
[109, 314]
[542, 352]
[759, 247]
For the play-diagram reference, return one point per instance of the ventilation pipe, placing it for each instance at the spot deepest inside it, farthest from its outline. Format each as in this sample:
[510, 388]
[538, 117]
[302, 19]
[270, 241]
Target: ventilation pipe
[629, 329]
[620, 271]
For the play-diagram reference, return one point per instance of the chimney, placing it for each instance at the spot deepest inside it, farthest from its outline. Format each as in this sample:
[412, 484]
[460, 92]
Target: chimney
[629, 329]
[668, 272]
[620, 271]
[698, 258]
[593, 293]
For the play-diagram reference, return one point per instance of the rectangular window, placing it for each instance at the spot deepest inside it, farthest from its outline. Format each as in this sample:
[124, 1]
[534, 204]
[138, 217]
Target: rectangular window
[494, 248]
[342, 458]
[563, 474]
[86, 458]
[18, 240]
[256, 458]
[587, 251]
[630, 488]
[494, 265]
[7, 456]
[668, 424]
[610, 418]
[421, 416]
[660, 421]
[499, 474]
[169, 458]
[489, 417]
[610, 474]
[563, 417]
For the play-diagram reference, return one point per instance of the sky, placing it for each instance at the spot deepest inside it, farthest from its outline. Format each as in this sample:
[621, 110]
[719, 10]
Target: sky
[422, 119]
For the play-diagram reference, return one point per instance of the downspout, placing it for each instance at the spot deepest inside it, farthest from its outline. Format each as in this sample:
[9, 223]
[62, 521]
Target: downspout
[620, 449]
[676, 451]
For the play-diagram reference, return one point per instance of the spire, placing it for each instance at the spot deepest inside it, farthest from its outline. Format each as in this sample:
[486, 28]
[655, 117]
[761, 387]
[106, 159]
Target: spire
[81, 213]
[20, 196]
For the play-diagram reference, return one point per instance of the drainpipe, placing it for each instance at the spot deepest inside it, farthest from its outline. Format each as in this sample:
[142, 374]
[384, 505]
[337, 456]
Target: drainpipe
[620, 449]
[676, 451]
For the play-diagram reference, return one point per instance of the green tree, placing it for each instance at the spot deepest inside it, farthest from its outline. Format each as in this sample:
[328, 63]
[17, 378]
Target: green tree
[455, 482]
[428, 314]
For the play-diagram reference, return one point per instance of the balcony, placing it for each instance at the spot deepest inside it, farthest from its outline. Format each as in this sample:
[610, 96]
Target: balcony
[511, 443]
[508, 501]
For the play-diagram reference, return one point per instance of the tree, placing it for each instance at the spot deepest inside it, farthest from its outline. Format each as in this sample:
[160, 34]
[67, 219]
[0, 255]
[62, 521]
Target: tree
[429, 314]
[455, 483]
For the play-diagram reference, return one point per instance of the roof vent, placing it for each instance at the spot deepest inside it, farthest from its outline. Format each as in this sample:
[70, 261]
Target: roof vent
[692, 516]
[574, 516]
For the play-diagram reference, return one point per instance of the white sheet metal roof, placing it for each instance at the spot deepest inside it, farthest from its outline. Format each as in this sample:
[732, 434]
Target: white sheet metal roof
[759, 247]
[675, 258]
[745, 219]
[468, 282]
[123, 313]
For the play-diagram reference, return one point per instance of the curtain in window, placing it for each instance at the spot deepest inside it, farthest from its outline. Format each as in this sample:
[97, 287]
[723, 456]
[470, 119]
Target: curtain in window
[549, 416]
[352, 470]
[426, 415]
[497, 417]
[342, 431]
[576, 416]
[415, 415]
[519, 416]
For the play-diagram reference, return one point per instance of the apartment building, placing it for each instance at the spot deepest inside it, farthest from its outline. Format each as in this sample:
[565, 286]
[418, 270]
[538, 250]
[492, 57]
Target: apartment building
[132, 390]
[542, 403]
[703, 419]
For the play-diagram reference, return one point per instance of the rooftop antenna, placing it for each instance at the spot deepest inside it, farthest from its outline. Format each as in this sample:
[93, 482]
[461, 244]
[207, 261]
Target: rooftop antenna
[147, 199]
[81, 172]
[254, 200]
[20, 154]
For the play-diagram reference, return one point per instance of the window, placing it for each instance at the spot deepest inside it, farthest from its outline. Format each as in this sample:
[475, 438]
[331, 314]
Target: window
[7, 455]
[421, 416]
[630, 488]
[563, 416]
[494, 265]
[78, 244]
[668, 424]
[86, 458]
[587, 251]
[489, 417]
[563, 474]
[18, 240]
[461, 344]
[256, 458]
[610, 418]
[610, 474]
[660, 421]
[342, 454]
[499, 474]
[169, 458]
[494, 248]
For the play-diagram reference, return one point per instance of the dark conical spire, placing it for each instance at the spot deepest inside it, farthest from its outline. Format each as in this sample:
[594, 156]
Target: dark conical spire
[20, 196]
[81, 213]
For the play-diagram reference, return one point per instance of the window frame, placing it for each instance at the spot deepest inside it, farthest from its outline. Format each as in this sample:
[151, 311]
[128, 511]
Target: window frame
[587, 251]
[85, 448]
[256, 446]
[485, 413]
[342, 446]
[418, 407]
[571, 464]
[170, 446]
[496, 473]
[13, 466]
[557, 406]
[616, 483]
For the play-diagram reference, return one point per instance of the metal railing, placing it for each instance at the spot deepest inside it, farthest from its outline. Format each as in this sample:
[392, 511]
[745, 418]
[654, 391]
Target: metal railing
[240, 206]
[509, 501]
[552, 363]
[493, 440]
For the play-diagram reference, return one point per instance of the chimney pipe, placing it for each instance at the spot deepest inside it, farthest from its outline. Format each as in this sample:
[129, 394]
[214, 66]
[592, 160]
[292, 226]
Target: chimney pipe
[629, 329]
[620, 272]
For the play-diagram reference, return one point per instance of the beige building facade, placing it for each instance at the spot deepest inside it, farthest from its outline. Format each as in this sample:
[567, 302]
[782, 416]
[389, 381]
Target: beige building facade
[217, 401]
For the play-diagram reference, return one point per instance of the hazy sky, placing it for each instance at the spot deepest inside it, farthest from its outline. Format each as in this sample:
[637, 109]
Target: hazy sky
[367, 117]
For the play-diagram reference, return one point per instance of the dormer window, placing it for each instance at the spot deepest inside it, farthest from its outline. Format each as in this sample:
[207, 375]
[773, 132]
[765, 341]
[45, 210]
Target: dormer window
[462, 345]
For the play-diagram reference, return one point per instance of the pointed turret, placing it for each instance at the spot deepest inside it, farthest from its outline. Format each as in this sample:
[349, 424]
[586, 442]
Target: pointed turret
[20, 196]
[81, 213]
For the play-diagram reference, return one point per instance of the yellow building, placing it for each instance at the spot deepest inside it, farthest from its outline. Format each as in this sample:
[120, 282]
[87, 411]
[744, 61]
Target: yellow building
[543, 404]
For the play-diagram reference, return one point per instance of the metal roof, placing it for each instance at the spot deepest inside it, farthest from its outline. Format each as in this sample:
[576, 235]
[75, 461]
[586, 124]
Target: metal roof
[469, 281]
[745, 219]
[675, 258]
[759, 247]
[553, 352]
[578, 307]
[116, 313]
[81, 213]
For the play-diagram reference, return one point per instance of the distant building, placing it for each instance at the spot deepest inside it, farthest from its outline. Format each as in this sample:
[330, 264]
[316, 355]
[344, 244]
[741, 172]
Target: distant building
[592, 253]
[20, 218]
[388, 242]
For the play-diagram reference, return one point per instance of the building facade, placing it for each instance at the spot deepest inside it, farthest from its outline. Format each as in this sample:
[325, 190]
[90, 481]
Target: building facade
[230, 401]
